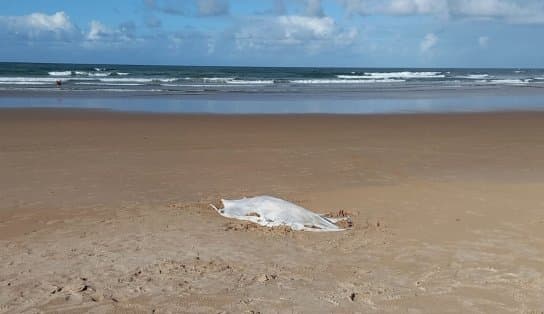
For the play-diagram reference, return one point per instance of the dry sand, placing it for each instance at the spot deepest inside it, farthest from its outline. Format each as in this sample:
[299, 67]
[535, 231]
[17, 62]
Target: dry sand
[107, 212]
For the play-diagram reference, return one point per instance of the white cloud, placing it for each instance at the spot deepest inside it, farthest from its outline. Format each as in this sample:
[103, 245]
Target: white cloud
[295, 26]
[189, 7]
[307, 32]
[56, 22]
[394, 7]
[483, 41]
[513, 11]
[428, 43]
[39, 24]
[58, 27]
[100, 32]
[487, 8]
[403, 7]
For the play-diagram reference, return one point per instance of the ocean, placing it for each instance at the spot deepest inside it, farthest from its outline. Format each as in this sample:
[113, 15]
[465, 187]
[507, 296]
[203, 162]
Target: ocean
[269, 89]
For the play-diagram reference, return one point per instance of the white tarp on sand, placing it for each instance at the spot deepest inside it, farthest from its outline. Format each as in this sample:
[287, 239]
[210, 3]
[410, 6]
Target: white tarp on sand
[272, 212]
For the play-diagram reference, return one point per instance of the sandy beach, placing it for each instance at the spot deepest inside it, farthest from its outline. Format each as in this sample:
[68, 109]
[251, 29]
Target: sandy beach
[107, 212]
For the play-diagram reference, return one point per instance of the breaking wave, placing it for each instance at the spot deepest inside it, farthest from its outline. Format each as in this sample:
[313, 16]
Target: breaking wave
[394, 75]
[100, 73]
[346, 81]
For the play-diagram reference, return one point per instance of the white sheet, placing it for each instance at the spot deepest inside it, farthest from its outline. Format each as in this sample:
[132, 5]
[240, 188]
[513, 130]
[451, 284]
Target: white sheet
[272, 212]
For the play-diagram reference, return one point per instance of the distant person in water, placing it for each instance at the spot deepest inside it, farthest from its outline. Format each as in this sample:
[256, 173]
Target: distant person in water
[59, 83]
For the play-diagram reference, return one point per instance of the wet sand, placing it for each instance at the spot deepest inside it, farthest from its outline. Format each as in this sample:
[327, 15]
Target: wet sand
[108, 212]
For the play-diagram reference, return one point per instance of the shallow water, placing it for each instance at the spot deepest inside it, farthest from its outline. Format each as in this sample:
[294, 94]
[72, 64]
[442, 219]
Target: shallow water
[431, 100]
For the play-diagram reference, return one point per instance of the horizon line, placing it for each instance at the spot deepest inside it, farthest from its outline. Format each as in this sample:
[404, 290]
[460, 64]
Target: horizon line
[295, 67]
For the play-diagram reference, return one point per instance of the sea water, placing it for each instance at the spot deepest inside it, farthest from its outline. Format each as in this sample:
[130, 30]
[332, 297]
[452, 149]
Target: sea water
[188, 89]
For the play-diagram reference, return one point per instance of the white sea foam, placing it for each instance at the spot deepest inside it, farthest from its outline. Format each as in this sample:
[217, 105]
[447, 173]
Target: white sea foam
[349, 77]
[122, 73]
[24, 83]
[165, 80]
[218, 79]
[346, 81]
[230, 80]
[28, 79]
[509, 81]
[474, 76]
[84, 73]
[60, 73]
[109, 84]
[394, 75]
[196, 85]
[137, 80]
[127, 80]
[99, 74]
[255, 82]
[127, 90]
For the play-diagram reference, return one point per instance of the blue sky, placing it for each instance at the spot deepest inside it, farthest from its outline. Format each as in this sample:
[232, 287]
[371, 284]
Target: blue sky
[365, 33]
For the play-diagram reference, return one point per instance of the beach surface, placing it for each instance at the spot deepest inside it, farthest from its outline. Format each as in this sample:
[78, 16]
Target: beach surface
[108, 212]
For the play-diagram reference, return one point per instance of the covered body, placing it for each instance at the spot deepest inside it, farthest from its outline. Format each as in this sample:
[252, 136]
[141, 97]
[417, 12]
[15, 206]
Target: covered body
[272, 212]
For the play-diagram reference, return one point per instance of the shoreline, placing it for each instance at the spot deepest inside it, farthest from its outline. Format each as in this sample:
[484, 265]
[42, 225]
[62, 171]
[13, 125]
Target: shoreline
[331, 92]
[356, 102]
[113, 112]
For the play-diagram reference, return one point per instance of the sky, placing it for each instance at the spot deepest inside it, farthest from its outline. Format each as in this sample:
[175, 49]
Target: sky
[346, 33]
